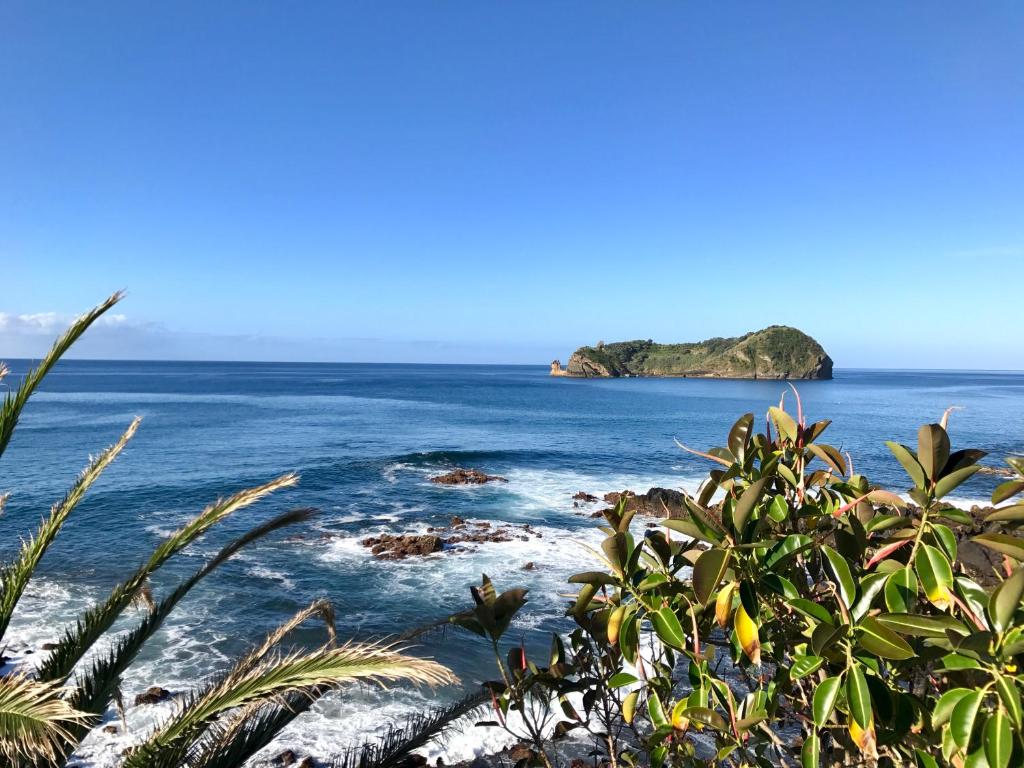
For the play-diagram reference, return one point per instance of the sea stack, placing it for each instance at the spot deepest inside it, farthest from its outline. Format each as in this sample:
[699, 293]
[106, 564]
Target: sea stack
[776, 352]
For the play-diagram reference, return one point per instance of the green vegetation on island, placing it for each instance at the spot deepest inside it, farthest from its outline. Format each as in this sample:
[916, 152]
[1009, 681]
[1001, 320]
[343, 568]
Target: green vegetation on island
[776, 352]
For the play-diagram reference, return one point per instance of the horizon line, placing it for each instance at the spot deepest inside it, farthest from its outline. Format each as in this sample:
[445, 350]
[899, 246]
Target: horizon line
[479, 365]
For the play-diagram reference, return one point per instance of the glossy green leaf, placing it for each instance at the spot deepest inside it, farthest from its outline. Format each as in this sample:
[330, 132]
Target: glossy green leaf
[824, 701]
[782, 552]
[1006, 687]
[910, 464]
[839, 570]
[1006, 599]
[901, 591]
[620, 679]
[705, 716]
[1012, 514]
[924, 760]
[944, 706]
[932, 449]
[921, 626]
[961, 722]
[810, 752]
[784, 423]
[746, 503]
[593, 577]
[935, 573]
[739, 435]
[829, 456]
[708, 572]
[805, 665]
[668, 628]
[655, 711]
[812, 611]
[1007, 490]
[880, 640]
[858, 696]
[1002, 543]
[953, 480]
[997, 740]
[778, 510]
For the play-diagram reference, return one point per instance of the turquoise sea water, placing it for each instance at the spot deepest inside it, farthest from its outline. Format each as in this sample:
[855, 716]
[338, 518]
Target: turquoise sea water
[366, 439]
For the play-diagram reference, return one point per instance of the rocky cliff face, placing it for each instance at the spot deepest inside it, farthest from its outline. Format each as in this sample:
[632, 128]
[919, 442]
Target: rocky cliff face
[777, 352]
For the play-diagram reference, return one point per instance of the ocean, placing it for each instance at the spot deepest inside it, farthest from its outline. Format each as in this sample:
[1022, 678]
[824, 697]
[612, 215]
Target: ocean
[366, 439]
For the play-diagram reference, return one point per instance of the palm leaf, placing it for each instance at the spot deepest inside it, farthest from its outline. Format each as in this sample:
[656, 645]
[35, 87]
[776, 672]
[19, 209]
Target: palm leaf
[275, 676]
[14, 402]
[34, 719]
[15, 577]
[94, 622]
[96, 688]
[392, 750]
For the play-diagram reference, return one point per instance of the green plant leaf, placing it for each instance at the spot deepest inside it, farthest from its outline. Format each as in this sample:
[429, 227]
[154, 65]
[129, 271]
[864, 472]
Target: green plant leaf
[708, 572]
[882, 641]
[997, 740]
[810, 752]
[668, 628]
[901, 591]
[916, 625]
[593, 577]
[784, 423]
[1011, 514]
[935, 573]
[620, 679]
[739, 435]
[1007, 490]
[1005, 600]
[786, 549]
[932, 449]
[812, 610]
[1006, 687]
[746, 503]
[839, 570]
[961, 722]
[858, 696]
[655, 710]
[953, 480]
[943, 709]
[910, 464]
[829, 456]
[824, 701]
[1002, 543]
[705, 716]
[805, 665]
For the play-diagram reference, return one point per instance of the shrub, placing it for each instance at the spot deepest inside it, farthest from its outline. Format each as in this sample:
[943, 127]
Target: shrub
[796, 613]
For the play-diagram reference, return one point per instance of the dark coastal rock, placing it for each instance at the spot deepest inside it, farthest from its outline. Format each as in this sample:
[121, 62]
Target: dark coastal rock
[110, 729]
[530, 566]
[466, 477]
[461, 533]
[584, 496]
[657, 502]
[397, 547]
[47, 646]
[153, 695]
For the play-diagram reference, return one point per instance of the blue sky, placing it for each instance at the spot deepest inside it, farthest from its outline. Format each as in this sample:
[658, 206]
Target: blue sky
[502, 182]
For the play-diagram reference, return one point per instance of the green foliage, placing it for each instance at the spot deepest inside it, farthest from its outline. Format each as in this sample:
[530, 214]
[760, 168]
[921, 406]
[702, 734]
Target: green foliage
[801, 599]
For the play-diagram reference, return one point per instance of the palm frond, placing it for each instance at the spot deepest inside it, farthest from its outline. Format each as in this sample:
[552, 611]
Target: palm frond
[98, 619]
[392, 750]
[34, 719]
[275, 676]
[10, 409]
[230, 744]
[15, 577]
[97, 686]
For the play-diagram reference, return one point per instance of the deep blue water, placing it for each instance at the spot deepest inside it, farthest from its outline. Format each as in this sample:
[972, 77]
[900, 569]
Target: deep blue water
[366, 439]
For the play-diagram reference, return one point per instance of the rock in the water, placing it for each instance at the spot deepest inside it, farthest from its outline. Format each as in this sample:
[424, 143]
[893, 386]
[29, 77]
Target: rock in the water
[397, 547]
[584, 496]
[657, 502]
[466, 477]
[530, 566]
[153, 695]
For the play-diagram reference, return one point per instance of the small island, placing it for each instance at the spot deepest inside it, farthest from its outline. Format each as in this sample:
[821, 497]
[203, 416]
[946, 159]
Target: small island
[776, 352]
